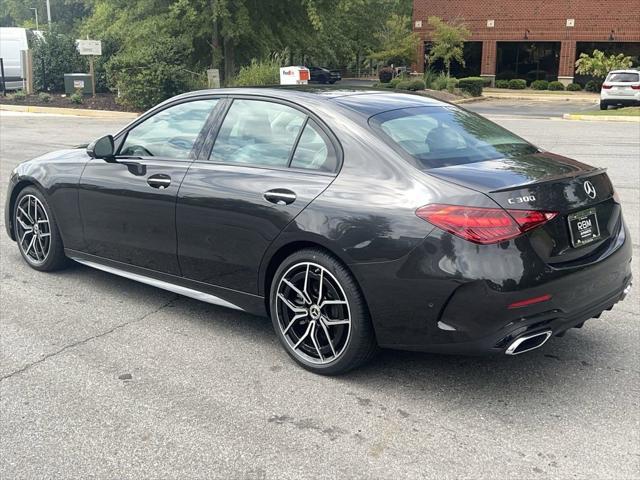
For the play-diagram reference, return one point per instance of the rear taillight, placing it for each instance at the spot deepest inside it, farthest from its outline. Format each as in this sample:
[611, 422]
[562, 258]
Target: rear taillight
[635, 87]
[607, 87]
[483, 225]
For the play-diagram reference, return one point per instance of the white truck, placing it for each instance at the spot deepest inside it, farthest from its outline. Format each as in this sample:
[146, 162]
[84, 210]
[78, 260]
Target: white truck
[12, 42]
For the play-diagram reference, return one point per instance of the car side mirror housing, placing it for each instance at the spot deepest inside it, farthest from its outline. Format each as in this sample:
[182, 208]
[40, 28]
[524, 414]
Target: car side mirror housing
[102, 148]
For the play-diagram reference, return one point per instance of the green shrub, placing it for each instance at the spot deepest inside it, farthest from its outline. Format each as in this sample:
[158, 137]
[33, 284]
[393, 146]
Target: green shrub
[517, 84]
[502, 83]
[76, 97]
[55, 54]
[540, 85]
[593, 86]
[557, 86]
[44, 97]
[440, 82]
[393, 83]
[258, 73]
[416, 84]
[452, 84]
[429, 77]
[574, 87]
[19, 96]
[402, 85]
[385, 74]
[151, 72]
[471, 85]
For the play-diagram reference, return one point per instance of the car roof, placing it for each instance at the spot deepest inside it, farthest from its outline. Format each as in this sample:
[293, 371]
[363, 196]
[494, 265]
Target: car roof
[366, 101]
[629, 70]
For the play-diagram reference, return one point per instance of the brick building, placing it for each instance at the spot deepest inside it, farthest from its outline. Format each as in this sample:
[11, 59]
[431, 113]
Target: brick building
[533, 38]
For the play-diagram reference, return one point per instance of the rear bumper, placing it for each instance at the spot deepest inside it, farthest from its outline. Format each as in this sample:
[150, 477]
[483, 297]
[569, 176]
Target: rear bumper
[613, 98]
[450, 296]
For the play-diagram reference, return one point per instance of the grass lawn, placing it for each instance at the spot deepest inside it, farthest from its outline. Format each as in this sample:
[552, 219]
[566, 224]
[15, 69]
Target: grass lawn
[617, 112]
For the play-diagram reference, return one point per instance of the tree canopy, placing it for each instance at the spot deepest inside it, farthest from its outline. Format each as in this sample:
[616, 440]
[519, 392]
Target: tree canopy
[448, 42]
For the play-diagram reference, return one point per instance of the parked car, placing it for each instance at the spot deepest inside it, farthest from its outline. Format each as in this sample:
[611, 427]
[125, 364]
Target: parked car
[354, 219]
[12, 42]
[621, 87]
[324, 75]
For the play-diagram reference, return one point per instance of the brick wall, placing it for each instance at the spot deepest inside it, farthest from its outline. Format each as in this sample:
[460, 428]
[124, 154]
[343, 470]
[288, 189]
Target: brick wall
[539, 20]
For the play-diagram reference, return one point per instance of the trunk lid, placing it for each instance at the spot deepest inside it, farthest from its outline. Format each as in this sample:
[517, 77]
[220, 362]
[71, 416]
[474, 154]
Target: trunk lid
[547, 182]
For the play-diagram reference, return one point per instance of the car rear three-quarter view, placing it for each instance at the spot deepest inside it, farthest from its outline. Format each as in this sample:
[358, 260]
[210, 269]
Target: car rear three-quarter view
[354, 219]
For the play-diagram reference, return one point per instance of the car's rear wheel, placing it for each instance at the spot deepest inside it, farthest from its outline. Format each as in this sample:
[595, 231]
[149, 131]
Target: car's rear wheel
[36, 231]
[604, 105]
[319, 314]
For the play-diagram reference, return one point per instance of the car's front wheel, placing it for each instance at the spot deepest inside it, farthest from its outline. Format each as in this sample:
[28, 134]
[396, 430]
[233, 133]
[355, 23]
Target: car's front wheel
[319, 314]
[36, 231]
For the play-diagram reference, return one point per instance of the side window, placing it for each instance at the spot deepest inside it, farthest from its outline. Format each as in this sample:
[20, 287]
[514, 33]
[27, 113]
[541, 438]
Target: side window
[315, 151]
[256, 132]
[170, 133]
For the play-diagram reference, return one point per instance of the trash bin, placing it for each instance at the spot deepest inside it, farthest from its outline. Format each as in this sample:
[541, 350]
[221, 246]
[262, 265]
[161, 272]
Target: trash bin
[77, 81]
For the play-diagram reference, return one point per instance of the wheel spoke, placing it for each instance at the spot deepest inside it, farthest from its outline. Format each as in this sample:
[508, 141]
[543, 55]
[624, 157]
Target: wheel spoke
[332, 302]
[31, 244]
[26, 214]
[294, 320]
[297, 290]
[330, 323]
[44, 235]
[326, 334]
[304, 336]
[23, 225]
[320, 286]
[293, 307]
[27, 232]
[314, 333]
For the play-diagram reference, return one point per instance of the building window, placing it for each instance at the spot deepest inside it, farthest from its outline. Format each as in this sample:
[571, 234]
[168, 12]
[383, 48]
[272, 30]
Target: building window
[472, 58]
[528, 60]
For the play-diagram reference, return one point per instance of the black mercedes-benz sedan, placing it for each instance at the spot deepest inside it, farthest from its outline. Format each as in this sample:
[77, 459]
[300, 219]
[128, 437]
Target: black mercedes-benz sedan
[354, 219]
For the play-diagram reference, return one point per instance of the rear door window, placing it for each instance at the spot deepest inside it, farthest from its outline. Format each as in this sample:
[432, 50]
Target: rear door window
[257, 132]
[315, 151]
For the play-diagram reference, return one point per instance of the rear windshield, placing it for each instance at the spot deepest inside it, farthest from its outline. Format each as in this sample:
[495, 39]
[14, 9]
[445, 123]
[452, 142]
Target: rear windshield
[623, 77]
[442, 136]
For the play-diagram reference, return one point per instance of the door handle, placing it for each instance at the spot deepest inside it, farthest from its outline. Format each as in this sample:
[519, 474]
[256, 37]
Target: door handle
[280, 196]
[160, 181]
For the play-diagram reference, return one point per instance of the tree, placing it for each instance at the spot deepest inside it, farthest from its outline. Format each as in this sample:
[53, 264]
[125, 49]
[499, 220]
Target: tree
[399, 45]
[54, 54]
[599, 65]
[447, 42]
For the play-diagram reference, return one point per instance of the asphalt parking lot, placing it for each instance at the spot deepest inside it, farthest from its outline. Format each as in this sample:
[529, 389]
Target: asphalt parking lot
[103, 377]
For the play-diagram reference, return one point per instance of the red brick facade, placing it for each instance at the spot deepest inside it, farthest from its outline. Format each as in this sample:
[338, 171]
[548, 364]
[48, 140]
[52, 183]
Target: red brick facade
[534, 20]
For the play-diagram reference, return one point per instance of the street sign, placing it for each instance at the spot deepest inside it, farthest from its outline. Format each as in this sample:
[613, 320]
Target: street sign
[89, 47]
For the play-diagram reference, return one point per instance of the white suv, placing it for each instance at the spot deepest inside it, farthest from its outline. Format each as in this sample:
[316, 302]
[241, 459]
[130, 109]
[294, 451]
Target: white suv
[621, 87]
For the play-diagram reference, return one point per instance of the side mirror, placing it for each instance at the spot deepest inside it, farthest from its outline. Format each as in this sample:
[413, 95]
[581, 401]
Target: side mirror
[102, 148]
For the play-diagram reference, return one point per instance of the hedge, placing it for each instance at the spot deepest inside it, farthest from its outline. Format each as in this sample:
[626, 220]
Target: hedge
[412, 85]
[472, 85]
[502, 83]
[556, 86]
[574, 87]
[517, 84]
[592, 86]
[540, 85]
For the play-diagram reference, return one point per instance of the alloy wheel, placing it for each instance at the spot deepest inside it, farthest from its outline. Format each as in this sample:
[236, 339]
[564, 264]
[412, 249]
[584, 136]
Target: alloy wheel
[33, 230]
[313, 313]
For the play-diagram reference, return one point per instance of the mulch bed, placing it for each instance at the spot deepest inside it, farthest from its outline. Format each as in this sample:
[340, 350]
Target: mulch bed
[102, 101]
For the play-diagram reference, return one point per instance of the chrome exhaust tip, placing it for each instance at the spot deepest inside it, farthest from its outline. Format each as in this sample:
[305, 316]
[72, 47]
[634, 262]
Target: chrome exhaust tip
[526, 343]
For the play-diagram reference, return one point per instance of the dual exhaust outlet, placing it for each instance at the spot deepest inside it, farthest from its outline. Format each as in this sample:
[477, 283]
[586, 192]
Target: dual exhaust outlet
[526, 343]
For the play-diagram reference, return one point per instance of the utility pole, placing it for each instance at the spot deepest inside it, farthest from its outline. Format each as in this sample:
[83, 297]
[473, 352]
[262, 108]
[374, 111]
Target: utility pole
[35, 10]
[49, 14]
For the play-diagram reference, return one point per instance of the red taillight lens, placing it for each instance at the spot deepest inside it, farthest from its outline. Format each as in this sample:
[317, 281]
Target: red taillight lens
[607, 87]
[635, 87]
[530, 301]
[483, 225]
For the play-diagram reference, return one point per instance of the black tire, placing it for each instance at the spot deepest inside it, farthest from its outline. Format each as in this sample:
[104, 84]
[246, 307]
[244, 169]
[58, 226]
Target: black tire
[604, 105]
[360, 344]
[54, 258]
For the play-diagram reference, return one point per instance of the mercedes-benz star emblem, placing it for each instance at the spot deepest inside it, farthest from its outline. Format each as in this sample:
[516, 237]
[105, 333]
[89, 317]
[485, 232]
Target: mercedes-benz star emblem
[589, 189]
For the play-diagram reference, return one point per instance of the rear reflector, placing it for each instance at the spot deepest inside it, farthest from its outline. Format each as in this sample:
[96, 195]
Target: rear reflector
[530, 301]
[483, 225]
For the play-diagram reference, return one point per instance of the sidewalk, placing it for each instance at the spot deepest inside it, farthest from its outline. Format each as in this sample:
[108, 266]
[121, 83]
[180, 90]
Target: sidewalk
[540, 95]
[80, 112]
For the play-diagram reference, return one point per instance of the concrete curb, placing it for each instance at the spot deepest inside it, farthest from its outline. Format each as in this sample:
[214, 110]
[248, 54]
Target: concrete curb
[604, 118]
[79, 112]
[469, 100]
[540, 97]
